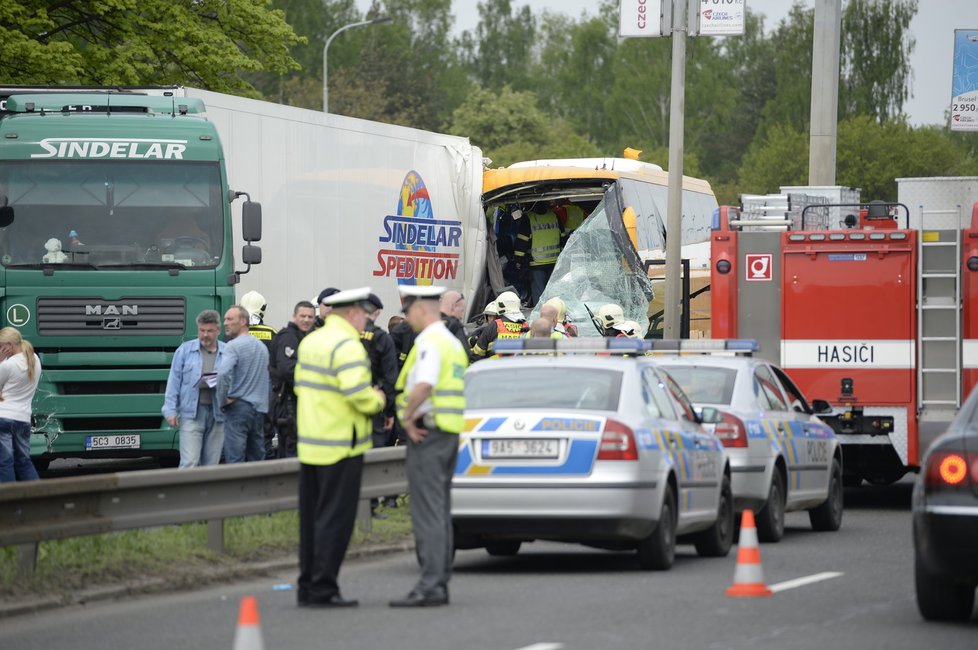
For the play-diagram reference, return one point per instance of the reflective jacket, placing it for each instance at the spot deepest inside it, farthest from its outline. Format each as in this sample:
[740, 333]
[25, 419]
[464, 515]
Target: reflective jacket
[501, 328]
[335, 394]
[448, 395]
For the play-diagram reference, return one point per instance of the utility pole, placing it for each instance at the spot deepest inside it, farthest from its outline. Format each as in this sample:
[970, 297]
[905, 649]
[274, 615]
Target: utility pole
[825, 92]
[674, 216]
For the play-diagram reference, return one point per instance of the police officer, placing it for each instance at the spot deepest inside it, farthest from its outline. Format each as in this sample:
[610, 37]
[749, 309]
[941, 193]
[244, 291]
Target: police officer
[281, 366]
[255, 303]
[383, 367]
[323, 308]
[510, 324]
[431, 409]
[403, 335]
[336, 400]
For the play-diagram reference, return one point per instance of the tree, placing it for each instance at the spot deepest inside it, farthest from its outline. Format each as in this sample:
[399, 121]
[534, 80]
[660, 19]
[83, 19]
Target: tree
[876, 49]
[206, 43]
[501, 50]
[509, 127]
[871, 156]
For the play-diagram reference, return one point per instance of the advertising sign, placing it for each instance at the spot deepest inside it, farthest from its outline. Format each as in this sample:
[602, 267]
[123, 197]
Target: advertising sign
[642, 18]
[964, 81]
[721, 17]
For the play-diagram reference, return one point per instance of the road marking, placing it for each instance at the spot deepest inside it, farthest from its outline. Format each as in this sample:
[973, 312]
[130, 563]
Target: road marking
[807, 580]
[543, 646]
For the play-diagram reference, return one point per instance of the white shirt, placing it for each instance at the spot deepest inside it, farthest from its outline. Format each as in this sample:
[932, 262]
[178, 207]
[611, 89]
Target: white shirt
[17, 390]
[427, 364]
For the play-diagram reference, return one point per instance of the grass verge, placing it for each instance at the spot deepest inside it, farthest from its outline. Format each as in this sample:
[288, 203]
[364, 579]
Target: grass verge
[176, 555]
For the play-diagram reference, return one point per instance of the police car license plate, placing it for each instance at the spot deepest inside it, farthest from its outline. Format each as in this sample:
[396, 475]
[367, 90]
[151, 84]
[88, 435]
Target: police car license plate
[520, 448]
[120, 441]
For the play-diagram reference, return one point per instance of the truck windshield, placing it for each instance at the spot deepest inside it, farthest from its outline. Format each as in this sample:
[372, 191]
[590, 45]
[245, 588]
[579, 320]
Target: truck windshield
[112, 214]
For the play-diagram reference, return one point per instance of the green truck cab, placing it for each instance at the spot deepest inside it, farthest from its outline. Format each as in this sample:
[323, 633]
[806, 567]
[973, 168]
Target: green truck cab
[115, 232]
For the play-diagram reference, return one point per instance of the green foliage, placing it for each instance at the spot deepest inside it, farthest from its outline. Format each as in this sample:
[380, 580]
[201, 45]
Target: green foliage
[870, 156]
[205, 43]
[509, 126]
[500, 51]
[876, 75]
[173, 555]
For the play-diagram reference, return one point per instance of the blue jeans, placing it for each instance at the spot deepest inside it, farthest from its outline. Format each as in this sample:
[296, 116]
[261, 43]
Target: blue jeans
[15, 452]
[539, 277]
[201, 439]
[244, 433]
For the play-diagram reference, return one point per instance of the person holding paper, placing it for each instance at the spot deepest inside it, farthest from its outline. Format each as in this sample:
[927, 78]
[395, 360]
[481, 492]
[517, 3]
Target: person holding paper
[189, 401]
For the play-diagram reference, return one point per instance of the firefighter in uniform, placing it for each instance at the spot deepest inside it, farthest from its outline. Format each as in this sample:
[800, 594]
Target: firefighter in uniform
[336, 400]
[561, 323]
[254, 302]
[538, 242]
[431, 408]
[510, 324]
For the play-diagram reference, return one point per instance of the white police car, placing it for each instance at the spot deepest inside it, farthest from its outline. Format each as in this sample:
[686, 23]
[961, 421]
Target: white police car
[782, 456]
[605, 451]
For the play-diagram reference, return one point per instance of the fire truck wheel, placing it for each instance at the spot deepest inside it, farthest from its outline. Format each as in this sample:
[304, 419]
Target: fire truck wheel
[770, 519]
[828, 515]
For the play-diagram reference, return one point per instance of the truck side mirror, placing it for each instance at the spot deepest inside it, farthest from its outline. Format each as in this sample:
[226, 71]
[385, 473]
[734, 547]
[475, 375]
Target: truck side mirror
[251, 254]
[251, 221]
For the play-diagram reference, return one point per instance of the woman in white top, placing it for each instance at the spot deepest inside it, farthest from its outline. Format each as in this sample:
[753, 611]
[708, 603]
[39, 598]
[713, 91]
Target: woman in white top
[20, 370]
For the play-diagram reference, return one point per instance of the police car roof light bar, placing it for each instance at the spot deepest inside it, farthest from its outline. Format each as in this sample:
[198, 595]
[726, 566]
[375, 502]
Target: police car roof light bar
[625, 346]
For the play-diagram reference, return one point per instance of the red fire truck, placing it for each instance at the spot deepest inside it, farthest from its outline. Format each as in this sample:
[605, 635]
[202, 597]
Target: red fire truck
[875, 318]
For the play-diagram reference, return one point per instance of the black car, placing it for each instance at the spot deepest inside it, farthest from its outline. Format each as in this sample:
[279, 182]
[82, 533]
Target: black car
[945, 521]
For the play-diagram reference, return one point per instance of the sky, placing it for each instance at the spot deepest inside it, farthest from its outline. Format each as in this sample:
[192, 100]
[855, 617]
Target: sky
[933, 28]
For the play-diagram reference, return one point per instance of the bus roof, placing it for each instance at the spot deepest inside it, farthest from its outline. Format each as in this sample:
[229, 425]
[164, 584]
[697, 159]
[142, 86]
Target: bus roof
[522, 173]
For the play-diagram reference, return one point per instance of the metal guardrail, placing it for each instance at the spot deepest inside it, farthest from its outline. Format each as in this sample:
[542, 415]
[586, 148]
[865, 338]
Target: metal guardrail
[36, 511]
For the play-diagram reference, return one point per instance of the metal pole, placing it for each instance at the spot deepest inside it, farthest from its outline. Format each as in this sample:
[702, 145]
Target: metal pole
[376, 21]
[675, 209]
[825, 92]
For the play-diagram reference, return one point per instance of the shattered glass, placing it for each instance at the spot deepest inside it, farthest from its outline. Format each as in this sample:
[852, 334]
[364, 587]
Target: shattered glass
[595, 269]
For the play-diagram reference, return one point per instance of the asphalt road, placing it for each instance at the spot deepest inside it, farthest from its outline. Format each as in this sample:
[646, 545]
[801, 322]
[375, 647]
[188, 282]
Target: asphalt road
[554, 596]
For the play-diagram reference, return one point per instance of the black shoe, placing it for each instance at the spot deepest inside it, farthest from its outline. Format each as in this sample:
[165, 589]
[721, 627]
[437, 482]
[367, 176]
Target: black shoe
[414, 599]
[377, 515]
[332, 601]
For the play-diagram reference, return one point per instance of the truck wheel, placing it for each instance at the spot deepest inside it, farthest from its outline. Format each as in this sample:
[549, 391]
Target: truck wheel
[939, 599]
[503, 549]
[828, 515]
[658, 551]
[770, 519]
[716, 540]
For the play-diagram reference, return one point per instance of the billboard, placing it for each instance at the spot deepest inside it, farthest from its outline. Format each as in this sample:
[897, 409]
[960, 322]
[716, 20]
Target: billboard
[964, 81]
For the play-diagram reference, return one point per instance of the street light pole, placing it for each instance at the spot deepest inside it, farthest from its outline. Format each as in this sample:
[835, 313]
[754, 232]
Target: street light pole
[376, 21]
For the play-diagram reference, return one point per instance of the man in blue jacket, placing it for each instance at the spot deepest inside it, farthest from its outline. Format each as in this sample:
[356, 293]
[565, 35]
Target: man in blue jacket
[189, 402]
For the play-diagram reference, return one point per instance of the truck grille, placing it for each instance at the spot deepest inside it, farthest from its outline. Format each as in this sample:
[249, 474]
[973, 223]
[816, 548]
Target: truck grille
[136, 316]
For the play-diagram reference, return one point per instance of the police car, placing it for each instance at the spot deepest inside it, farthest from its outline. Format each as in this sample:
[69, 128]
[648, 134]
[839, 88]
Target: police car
[605, 451]
[782, 456]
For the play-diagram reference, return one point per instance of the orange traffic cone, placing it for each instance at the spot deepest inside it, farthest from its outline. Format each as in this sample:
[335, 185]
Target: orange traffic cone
[248, 634]
[748, 578]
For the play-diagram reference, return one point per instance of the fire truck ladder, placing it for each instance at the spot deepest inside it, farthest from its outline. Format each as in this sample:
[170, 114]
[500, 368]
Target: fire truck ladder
[939, 316]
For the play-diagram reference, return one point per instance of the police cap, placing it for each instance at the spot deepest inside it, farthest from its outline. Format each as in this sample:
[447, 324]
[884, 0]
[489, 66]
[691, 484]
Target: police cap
[374, 300]
[326, 293]
[410, 293]
[351, 298]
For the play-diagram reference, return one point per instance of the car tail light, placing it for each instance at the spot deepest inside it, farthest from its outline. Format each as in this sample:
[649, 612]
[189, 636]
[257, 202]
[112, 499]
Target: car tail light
[617, 442]
[951, 469]
[731, 431]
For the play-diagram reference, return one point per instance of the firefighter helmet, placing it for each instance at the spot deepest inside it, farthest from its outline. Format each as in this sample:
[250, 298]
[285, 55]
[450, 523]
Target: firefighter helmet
[508, 305]
[608, 316]
[561, 308]
[629, 328]
[254, 302]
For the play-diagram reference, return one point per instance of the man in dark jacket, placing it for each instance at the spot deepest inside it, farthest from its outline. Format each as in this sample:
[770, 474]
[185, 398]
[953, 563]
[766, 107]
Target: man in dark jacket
[452, 306]
[282, 368]
[384, 368]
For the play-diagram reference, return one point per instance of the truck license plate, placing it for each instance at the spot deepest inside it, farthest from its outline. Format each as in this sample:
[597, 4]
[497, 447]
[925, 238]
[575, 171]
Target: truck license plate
[123, 441]
[520, 448]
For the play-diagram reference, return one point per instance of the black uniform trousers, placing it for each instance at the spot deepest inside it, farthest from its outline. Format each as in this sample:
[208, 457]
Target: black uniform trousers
[328, 496]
